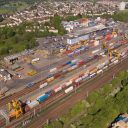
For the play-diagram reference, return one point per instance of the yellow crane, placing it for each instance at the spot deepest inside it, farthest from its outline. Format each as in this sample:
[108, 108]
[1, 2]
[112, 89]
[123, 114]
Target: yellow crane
[110, 52]
[15, 109]
[116, 54]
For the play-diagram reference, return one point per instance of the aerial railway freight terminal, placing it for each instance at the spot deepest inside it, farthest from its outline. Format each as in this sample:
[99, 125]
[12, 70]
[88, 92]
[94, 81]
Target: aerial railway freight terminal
[85, 57]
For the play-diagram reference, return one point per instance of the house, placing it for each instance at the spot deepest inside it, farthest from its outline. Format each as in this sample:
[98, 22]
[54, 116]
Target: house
[5, 74]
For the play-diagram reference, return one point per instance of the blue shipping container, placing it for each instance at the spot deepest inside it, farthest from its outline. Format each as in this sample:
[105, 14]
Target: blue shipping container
[30, 84]
[48, 92]
[69, 62]
[72, 64]
[43, 98]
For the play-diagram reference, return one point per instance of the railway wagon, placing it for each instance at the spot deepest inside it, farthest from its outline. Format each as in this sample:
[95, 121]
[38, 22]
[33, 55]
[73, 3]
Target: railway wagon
[43, 97]
[44, 85]
[69, 89]
[92, 75]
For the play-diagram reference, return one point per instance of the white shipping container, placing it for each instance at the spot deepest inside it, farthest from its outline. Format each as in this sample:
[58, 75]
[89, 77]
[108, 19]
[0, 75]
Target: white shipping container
[96, 43]
[106, 62]
[110, 64]
[116, 61]
[74, 61]
[110, 44]
[95, 51]
[124, 56]
[105, 67]
[102, 53]
[84, 76]
[33, 104]
[99, 71]
[69, 89]
[58, 89]
[74, 66]
[78, 79]
[100, 66]
[112, 60]
[115, 36]
[68, 83]
[36, 59]
[53, 69]
[123, 53]
[43, 85]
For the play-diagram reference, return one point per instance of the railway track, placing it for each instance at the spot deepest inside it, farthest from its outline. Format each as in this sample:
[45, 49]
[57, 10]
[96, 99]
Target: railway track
[88, 87]
[26, 91]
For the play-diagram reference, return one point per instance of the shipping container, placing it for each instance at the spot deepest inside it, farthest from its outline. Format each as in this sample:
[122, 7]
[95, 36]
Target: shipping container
[72, 64]
[112, 60]
[110, 64]
[32, 73]
[69, 62]
[53, 70]
[93, 70]
[85, 75]
[57, 89]
[50, 79]
[124, 56]
[78, 79]
[106, 62]
[74, 61]
[49, 92]
[99, 71]
[81, 63]
[104, 68]
[69, 89]
[57, 75]
[95, 51]
[30, 84]
[42, 97]
[33, 104]
[44, 85]
[116, 61]
[74, 67]
[92, 75]
[68, 83]
[100, 66]
[102, 53]
[35, 60]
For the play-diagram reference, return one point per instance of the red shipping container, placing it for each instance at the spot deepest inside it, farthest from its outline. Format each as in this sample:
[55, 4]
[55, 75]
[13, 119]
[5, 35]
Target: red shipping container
[81, 75]
[81, 63]
[108, 37]
[57, 75]
[67, 51]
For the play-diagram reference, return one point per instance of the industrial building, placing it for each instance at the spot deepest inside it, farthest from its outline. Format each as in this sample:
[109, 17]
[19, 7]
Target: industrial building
[83, 34]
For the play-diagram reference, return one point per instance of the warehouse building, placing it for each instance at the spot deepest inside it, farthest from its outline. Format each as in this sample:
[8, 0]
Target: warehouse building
[84, 34]
[76, 39]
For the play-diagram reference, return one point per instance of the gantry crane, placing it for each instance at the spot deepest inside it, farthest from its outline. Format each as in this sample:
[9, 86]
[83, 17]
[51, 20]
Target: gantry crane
[15, 109]
[110, 52]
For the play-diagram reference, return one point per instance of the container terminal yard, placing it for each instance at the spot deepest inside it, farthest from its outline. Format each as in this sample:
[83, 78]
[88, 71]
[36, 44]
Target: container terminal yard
[97, 53]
